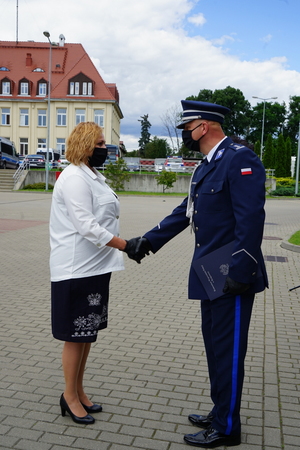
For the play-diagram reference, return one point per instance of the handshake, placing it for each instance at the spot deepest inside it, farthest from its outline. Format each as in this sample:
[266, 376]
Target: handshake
[137, 248]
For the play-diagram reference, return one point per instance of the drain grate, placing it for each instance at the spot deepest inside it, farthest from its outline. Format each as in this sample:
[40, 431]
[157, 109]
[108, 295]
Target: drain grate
[272, 238]
[275, 258]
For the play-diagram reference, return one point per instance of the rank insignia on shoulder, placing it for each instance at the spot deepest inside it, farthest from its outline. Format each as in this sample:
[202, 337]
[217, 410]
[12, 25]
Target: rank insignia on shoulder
[247, 171]
[219, 154]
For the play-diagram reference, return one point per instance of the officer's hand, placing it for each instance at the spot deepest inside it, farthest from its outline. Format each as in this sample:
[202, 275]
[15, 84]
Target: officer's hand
[234, 287]
[137, 248]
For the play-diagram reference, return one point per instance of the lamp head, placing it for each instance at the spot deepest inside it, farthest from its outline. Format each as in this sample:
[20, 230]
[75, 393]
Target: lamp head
[46, 33]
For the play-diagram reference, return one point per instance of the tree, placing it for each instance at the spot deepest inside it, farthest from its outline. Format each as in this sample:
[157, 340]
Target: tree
[157, 148]
[117, 175]
[145, 135]
[205, 95]
[268, 157]
[293, 122]
[238, 120]
[280, 158]
[288, 155]
[167, 179]
[170, 120]
[257, 148]
[274, 117]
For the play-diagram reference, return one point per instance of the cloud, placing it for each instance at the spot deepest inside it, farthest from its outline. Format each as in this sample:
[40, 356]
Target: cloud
[198, 19]
[222, 40]
[267, 39]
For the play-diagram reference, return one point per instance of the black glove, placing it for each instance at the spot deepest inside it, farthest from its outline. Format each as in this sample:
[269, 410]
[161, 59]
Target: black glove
[234, 287]
[137, 248]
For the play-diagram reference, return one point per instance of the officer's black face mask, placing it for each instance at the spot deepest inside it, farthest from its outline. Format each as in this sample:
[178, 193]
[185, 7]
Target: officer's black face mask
[98, 157]
[189, 142]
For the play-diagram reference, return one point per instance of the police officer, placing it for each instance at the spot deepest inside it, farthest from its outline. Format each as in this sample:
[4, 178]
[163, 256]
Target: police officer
[225, 204]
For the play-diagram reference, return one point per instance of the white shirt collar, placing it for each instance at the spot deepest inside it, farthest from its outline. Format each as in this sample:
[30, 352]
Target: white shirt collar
[212, 151]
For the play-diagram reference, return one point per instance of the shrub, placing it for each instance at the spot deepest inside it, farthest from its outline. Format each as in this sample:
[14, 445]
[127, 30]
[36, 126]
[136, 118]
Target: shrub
[38, 186]
[284, 191]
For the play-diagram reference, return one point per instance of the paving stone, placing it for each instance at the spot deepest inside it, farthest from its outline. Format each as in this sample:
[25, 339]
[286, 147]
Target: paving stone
[148, 367]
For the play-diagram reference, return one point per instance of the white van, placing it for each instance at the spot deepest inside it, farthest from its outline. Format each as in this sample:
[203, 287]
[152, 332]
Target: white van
[53, 155]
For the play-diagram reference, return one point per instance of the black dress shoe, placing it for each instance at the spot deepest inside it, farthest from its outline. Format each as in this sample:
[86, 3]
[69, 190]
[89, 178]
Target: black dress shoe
[212, 438]
[86, 420]
[201, 421]
[92, 409]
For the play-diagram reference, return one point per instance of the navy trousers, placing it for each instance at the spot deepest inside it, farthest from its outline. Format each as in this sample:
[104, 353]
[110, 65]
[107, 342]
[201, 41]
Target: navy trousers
[225, 325]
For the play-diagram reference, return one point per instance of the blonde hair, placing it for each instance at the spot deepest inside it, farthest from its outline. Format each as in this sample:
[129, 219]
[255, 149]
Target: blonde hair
[82, 141]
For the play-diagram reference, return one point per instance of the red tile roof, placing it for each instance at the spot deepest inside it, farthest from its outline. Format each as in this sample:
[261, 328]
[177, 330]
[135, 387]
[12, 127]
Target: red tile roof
[67, 61]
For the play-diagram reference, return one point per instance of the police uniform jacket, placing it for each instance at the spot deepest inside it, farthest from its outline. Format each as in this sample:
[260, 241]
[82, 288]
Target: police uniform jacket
[225, 204]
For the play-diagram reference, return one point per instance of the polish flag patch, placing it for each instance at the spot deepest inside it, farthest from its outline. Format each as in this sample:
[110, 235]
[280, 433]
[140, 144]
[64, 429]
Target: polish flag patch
[247, 171]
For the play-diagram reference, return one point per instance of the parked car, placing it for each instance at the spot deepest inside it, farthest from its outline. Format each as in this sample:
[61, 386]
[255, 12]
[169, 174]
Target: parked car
[63, 163]
[37, 161]
[174, 164]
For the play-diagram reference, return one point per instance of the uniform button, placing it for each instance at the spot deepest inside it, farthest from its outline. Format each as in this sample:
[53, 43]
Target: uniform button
[254, 273]
[198, 245]
[196, 229]
[212, 190]
[98, 245]
[195, 212]
[197, 195]
[117, 217]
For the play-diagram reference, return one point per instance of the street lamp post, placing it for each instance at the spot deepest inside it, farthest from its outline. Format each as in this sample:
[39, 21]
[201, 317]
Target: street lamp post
[263, 122]
[47, 34]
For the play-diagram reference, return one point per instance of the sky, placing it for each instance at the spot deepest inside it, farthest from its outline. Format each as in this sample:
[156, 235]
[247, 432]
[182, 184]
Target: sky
[158, 52]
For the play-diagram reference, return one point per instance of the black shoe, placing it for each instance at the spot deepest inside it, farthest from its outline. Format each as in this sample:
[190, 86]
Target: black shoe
[201, 421]
[92, 409]
[212, 438]
[86, 420]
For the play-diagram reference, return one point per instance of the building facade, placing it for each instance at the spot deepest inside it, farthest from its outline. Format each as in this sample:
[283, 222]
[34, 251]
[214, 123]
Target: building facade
[77, 94]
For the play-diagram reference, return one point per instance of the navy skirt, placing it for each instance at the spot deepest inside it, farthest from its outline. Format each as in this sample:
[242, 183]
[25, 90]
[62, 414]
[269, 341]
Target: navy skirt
[79, 308]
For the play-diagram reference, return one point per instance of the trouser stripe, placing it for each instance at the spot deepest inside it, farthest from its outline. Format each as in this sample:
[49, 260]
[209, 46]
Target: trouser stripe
[235, 361]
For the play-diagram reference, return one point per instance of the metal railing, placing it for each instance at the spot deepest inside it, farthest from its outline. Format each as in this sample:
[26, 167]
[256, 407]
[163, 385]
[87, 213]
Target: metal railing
[20, 171]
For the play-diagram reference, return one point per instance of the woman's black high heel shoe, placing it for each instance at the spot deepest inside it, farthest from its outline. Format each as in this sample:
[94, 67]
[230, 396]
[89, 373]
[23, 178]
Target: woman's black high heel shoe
[92, 409]
[86, 420]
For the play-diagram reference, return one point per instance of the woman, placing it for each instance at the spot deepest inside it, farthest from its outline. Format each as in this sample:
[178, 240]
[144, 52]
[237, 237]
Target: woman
[85, 244]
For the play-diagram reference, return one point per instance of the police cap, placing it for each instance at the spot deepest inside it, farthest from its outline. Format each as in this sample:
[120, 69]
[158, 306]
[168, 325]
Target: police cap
[193, 110]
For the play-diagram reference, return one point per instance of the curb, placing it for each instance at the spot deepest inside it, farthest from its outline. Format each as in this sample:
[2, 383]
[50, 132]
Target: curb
[291, 247]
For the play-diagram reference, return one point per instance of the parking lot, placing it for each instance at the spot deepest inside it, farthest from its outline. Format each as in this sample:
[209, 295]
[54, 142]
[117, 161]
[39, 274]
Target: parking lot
[148, 368]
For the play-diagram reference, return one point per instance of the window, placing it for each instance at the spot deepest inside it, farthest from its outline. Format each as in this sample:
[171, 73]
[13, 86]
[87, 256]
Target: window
[23, 146]
[61, 145]
[24, 88]
[42, 143]
[61, 115]
[42, 117]
[80, 85]
[42, 89]
[38, 69]
[6, 88]
[79, 116]
[24, 117]
[4, 69]
[99, 117]
[5, 116]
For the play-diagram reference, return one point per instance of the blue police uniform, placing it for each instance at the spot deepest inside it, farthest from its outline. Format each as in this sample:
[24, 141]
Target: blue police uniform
[225, 204]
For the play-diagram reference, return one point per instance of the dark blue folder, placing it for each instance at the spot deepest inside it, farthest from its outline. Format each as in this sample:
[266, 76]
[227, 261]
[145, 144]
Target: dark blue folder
[212, 270]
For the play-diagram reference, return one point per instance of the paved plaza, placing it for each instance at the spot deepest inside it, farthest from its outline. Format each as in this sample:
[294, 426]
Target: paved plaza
[148, 368]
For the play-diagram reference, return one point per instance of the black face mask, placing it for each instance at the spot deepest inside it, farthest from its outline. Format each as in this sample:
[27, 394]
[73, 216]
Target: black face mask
[98, 157]
[189, 142]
